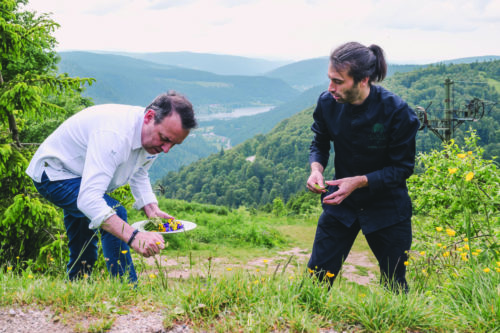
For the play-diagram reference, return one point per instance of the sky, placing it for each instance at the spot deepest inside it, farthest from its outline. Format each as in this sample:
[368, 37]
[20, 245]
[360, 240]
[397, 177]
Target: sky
[409, 31]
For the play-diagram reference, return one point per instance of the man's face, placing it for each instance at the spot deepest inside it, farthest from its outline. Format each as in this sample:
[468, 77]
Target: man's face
[158, 138]
[342, 87]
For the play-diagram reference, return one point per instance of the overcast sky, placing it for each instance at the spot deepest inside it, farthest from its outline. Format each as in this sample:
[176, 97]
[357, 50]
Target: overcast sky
[409, 31]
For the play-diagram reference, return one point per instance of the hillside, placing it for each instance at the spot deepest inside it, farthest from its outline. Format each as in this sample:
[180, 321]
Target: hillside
[280, 167]
[252, 173]
[126, 80]
[305, 74]
[215, 63]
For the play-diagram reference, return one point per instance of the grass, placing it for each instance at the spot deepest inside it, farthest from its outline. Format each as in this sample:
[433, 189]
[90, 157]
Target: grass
[239, 285]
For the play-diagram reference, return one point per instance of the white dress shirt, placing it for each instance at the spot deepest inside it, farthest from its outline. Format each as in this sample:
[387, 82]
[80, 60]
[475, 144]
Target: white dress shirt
[102, 145]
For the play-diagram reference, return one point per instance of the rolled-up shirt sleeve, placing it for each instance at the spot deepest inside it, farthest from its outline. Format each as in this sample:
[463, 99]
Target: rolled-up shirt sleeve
[105, 152]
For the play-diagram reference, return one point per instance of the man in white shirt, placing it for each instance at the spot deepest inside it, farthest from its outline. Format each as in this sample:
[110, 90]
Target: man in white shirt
[96, 151]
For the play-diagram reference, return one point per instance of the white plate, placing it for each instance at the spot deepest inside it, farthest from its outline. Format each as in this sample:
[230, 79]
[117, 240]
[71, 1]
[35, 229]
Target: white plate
[187, 226]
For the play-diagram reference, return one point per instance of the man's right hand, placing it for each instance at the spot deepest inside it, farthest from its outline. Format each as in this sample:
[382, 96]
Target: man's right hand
[315, 182]
[148, 243]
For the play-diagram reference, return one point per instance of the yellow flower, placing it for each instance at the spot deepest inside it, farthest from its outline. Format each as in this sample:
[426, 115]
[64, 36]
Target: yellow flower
[439, 245]
[450, 232]
[362, 295]
[424, 271]
[291, 277]
[124, 251]
[459, 249]
[452, 170]
[422, 253]
[466, 239]
[466, 246]
[498, 264]
[17, 257]
[498, 269]
[9, 268]
[256, 281]
[446, 254]
[469, 176]
[329, 275]
[461, 155]
[469, 152]
[479, 250]
[152, 276]
[51, 259]
[486, 270]
[406, 263]
[439, 229]
[85, 276]
[257, 270]
[30, 276]
[464, 258]
[475, 253]
[265, 260]
[229, 269]
[310, 270]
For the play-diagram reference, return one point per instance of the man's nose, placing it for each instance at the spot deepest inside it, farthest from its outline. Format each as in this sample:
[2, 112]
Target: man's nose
[166, 147]
[332, 87]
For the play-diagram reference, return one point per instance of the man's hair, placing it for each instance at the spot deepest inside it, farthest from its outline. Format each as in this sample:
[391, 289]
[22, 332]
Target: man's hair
[170, 101]
[360, 61]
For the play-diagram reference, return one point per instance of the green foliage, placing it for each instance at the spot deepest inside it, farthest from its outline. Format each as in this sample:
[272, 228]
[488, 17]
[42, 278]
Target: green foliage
[26, 225]
[474, 80]
[458, 181]
[30, 91]
[26, 222]
[457, 201]
[27, 67]
[279, 169]
[278, 207]
[304, 203]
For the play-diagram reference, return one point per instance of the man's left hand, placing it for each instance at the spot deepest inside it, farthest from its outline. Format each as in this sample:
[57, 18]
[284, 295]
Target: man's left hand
[346, 187]
[152, 210]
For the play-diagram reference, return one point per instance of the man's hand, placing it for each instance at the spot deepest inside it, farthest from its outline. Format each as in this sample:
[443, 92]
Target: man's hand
[152, 210]
[148, 243]
[315, 181]
[346, 187]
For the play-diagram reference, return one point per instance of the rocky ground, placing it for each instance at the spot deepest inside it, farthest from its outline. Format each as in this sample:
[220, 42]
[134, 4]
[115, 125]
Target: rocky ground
[31, 318]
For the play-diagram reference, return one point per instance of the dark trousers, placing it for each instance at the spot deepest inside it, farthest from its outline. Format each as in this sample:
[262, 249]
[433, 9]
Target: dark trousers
[82, 241]
[390, 245]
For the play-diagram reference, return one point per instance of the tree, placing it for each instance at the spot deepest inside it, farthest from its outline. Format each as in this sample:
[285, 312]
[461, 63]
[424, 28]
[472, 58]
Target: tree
[29, 85]
[28, 67]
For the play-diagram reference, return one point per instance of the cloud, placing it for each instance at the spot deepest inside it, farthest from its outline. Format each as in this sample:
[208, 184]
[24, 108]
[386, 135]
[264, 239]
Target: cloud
[165, 4]
[407, 30]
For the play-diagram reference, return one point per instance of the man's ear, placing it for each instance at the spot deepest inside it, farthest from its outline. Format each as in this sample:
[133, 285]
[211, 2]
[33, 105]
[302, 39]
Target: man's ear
[149, 116]
[364, 81]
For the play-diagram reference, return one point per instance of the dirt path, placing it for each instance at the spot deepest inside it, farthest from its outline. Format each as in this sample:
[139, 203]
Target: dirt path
[29, 319]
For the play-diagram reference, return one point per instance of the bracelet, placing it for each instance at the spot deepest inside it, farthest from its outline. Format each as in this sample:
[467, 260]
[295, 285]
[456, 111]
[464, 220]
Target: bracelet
[132, 237]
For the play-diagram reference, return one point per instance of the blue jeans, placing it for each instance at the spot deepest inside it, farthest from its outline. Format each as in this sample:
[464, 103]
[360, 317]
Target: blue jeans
[82, 240]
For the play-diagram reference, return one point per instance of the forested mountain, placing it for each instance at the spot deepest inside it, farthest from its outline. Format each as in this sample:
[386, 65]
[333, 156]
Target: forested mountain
[122, 79]
[215, 63]
[276, 164]
[126, 80]
[308, 73]
[252, 173]
[305, 74]
[473, 80]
